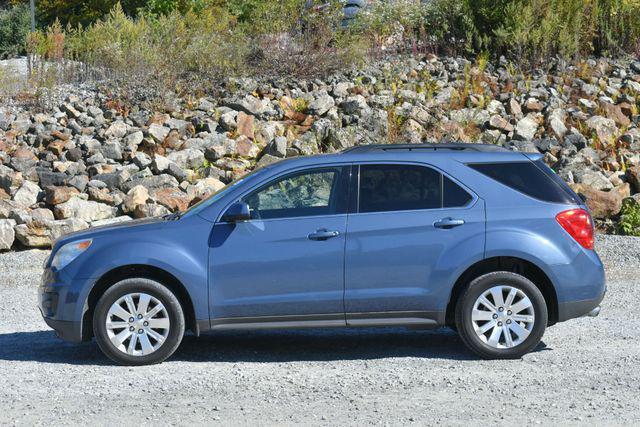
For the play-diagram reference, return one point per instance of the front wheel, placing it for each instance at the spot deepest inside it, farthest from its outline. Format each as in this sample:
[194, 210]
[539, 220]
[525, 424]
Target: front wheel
[138, 322]
[501, 315]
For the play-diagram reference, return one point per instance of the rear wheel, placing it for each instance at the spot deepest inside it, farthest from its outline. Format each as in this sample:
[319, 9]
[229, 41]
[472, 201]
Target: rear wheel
[501, 315]
[138, 322]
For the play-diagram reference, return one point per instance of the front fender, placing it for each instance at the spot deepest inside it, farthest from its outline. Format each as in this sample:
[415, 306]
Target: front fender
[181, 250]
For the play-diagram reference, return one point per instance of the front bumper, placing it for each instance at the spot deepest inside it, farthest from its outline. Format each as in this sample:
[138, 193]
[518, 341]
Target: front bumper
[61, 304]
[67, 330]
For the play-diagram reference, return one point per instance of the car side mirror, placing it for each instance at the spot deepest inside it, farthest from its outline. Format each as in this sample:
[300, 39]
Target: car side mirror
[237, 212]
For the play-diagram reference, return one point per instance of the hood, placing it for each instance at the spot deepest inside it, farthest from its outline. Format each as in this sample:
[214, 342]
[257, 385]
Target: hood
[93, 232]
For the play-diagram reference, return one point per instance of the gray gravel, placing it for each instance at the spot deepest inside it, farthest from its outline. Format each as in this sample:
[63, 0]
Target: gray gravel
[586, 371]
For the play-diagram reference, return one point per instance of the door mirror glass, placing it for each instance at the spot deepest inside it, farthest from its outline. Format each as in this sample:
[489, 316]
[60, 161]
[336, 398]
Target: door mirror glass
[237, 212]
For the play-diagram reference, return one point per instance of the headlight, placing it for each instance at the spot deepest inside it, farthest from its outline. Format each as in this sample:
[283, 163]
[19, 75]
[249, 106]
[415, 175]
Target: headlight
[69, 252]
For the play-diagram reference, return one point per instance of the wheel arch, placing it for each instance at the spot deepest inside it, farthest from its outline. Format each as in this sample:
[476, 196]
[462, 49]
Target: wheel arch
[505, 263]
[131, 271]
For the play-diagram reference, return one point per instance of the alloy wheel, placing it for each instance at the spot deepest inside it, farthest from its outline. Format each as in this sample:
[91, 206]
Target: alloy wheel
[137, 324]
[503, 316]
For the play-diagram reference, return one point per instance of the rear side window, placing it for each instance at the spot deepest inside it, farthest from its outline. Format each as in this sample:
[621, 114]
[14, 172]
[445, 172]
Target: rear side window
[385, 188]
[453, 196]
[530, 178]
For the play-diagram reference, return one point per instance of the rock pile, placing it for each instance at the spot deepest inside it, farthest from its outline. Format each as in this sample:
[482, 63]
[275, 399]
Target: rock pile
[91, 161]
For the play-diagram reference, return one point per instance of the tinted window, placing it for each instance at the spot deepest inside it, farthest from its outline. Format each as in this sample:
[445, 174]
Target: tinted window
[398, 187]
[528, 178]
[453, 195]
[303, 194]
[574, 198]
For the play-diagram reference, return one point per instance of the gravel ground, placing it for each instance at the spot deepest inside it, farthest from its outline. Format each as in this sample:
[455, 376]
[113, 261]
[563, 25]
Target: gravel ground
[586, 370]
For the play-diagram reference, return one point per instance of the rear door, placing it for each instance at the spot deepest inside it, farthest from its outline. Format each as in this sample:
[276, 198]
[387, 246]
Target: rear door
[410, 224]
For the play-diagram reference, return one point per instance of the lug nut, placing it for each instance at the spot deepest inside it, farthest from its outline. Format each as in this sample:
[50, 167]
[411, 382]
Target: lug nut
[146, 323]
[140, 331]
[509, 313]
[508, 321]
[139, 316]
[131, 319]
[131, 328]
[501, 309]
[495, 316]
[499, 323]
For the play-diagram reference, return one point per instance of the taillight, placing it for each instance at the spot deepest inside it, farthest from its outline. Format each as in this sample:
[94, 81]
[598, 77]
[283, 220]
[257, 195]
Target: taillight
[578, 223]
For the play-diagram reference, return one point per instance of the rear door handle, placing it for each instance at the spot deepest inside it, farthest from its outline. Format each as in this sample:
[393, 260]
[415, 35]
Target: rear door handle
[323, 234]
[448, 223]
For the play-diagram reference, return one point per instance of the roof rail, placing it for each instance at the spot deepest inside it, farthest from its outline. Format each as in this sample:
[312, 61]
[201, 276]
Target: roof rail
[486, 148]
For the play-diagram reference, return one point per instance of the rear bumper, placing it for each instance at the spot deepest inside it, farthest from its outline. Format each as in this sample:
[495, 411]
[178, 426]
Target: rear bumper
[573, 309]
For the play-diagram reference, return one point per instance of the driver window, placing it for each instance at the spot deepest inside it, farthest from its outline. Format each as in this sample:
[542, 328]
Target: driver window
[303, 194]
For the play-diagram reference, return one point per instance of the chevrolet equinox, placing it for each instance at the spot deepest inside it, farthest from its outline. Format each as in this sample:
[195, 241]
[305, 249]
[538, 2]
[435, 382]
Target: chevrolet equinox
[489, 242]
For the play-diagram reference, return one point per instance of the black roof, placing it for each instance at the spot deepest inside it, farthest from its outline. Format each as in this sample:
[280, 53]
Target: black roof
[483, 148]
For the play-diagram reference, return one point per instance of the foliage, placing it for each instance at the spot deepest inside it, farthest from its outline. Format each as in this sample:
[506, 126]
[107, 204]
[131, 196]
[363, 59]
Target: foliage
[166, 46]
[193, 50]
[536, 29]
[525, 29]
[629, 218]
[14, 27]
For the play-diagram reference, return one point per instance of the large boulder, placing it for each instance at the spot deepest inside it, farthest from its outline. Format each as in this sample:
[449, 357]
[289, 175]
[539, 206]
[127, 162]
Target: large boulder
[7, 234]
[190, 158]
[173, 199]
[526, 128]
[605, 128]
[27, 195]
[323, 103]
[250, 105]
[354, 104]
[56, 195]
[152, 182]
[206, 187]
[118, 129]
[245, 125]
[40, 234]
[150, 210]
[138, 195]
[596, 179]
[603, 204]
[85, 210]
[633, 177]
[158, 132]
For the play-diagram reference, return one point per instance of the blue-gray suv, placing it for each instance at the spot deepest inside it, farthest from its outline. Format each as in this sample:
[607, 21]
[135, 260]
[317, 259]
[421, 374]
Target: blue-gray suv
[484, 240]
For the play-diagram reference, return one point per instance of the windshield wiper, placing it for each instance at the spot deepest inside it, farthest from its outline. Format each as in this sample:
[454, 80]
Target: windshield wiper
[173, 217]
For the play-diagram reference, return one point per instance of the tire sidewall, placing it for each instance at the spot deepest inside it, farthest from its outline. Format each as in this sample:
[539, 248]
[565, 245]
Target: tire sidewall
[480, 285]
[138, 285]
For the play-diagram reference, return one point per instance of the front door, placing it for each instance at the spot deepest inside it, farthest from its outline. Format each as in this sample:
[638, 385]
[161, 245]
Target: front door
[286, 264]
[410, 225]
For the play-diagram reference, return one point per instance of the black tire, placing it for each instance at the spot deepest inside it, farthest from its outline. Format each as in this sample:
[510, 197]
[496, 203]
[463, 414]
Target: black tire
[474, 290]
[155, 289]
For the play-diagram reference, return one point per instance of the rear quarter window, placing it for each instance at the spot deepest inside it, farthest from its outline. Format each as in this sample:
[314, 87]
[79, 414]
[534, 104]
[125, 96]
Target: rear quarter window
[535, 179]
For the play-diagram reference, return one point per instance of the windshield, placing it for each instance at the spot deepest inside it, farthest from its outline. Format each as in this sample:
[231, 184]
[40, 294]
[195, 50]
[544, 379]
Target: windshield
[205, 203]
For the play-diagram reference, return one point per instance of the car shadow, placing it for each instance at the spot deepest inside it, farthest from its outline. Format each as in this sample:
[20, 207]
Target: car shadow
[258, 346]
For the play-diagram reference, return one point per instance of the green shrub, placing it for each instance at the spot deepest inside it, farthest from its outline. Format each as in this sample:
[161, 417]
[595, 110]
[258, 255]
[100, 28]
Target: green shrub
[537, 29]
[629, 223]
[191, 45]
[192, 51]
[14, 27]
[530, 30]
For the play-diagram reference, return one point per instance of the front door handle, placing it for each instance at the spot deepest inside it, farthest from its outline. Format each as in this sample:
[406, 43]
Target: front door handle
[448, 223]
[323, 234]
